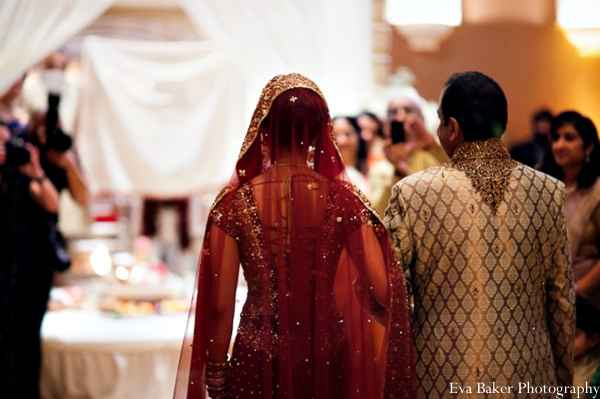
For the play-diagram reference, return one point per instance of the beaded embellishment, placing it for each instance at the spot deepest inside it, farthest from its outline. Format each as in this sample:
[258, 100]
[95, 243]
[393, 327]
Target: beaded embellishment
[488, 165]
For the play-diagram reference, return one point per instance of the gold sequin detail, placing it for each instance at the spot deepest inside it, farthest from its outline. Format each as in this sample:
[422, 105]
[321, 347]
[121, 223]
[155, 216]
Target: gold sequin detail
[240, 218]
[293, 99]
[488, 165]
[276, 86]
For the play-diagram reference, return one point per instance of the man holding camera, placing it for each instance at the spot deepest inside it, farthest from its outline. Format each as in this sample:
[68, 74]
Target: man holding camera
[37, 162]
[408, 147]
[25, 156]
[58, 158]
[25, 194]
[43, 128]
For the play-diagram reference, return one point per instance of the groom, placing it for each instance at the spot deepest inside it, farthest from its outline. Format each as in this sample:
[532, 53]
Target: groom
[483, 243]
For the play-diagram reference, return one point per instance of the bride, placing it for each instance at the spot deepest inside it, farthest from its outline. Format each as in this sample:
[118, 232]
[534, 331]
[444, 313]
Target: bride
[320, 268]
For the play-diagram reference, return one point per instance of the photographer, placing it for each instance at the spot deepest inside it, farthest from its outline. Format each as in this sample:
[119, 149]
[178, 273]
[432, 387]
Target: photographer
[58, 159]
[408, 147]
[37, 160]
[25, 279]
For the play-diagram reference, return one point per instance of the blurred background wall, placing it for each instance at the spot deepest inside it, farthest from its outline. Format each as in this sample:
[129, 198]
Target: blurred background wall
[535, 65]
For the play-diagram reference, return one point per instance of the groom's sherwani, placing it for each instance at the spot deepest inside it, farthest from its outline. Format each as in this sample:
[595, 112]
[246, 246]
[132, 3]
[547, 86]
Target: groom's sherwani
[484, 244]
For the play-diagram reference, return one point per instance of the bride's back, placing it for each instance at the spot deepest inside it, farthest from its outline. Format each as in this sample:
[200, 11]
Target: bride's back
[291, 205]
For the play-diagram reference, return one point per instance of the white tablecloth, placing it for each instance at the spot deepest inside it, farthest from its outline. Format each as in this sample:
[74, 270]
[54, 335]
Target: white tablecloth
[88, 354]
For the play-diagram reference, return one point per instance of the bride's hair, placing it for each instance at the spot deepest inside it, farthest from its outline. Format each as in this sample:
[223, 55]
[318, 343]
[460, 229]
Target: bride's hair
[295, 121]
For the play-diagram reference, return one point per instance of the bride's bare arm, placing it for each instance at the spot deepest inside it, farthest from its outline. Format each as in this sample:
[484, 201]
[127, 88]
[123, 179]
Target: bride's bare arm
[365, 251]
[225, 262]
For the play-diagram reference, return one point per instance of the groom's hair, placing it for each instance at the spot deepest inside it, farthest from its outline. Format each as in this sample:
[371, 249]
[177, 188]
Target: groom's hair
[477, 103]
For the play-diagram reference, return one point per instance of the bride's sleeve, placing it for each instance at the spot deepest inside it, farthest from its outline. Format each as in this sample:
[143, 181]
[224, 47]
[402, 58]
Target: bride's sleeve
[365, 251]
[210, 320]
[363, 245]
[370, 248]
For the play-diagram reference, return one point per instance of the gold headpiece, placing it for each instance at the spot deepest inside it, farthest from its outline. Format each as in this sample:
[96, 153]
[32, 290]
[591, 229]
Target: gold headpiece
[273, 89]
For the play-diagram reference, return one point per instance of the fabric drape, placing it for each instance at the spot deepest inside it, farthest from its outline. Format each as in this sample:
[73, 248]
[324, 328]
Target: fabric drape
[31, 29]
[157, 118]
[327, 40]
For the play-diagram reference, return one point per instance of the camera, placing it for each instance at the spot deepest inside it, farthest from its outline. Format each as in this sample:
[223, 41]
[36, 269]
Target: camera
[56, 139]
[397, 130]
[16, 153]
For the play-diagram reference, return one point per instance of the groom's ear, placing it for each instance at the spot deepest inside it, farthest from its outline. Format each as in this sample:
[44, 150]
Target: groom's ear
[456, 134]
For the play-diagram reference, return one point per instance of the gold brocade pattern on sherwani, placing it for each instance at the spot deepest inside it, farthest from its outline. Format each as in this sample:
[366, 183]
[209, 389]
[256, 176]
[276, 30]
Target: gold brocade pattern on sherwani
[488, 165]
[490, 270]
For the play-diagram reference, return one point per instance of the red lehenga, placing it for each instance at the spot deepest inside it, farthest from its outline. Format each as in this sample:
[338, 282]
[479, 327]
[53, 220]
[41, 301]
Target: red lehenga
[317, 261]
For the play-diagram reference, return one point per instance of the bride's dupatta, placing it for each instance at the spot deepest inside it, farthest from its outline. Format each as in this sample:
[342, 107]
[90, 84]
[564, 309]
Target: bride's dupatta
[315, 256]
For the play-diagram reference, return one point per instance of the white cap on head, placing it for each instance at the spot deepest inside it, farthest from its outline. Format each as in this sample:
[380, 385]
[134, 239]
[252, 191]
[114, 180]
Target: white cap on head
[410, 93]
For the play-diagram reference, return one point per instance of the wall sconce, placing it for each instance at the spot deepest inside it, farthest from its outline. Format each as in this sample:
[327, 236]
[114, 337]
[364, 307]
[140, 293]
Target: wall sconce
[529, 12]
[424, 23]
[579, 20]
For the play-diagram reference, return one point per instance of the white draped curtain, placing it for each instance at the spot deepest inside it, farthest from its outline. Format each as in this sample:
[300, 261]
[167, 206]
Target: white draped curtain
[328, 41]
[158, 118]
[31, 29]
[166, 119]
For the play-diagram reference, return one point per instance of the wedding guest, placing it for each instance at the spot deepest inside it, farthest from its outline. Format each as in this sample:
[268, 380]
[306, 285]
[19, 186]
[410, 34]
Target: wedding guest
[59, 159]
[25, 193]
[44, 129]
[414, 149]
[534, 152]
[302, 333]
[370, 126]
[576, 162]
[39, 248]
[371, 132]
[483, 242]
[348, 139]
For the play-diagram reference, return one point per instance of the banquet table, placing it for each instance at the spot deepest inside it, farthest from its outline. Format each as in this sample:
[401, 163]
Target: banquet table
[91, 354]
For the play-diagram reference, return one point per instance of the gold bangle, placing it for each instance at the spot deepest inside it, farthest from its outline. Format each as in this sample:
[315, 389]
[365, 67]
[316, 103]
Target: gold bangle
[217, 395]
[214, 376]
[217, 378]
[217, 365]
